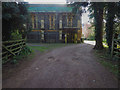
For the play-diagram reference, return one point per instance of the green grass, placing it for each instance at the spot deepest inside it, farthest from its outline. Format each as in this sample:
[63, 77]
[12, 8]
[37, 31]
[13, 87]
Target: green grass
[106, 60]
[41, 49]
[112, 67]
[45, 47]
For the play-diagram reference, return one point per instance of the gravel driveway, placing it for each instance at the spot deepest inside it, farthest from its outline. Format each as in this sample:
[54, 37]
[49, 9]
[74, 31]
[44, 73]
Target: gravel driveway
[73, 66]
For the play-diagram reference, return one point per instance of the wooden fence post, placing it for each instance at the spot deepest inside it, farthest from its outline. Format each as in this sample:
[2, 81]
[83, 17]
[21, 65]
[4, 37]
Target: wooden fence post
[112, 48]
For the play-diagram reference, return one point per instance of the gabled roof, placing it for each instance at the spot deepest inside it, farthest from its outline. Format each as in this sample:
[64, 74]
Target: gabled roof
[49, 8]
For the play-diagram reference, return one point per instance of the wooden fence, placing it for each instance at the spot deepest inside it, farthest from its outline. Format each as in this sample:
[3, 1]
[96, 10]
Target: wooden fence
[115, 51]
[11, 48]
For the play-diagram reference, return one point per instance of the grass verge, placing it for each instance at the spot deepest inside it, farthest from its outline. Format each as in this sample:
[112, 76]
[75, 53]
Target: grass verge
[46, 47]
[107, 61]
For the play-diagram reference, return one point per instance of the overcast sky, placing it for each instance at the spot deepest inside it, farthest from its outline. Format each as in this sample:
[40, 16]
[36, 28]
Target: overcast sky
[47, 1]
[85, 17]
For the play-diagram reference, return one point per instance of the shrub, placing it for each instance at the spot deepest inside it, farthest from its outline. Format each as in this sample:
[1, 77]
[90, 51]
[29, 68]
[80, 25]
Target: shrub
[23, 53]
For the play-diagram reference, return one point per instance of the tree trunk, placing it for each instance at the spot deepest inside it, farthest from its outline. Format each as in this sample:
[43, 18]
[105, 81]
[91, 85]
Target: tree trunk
[110, 24]
[98, 26]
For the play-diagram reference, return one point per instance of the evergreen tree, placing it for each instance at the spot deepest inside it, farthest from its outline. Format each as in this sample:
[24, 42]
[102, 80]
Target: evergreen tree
[112, 13]
[14, 17]
[98, 8]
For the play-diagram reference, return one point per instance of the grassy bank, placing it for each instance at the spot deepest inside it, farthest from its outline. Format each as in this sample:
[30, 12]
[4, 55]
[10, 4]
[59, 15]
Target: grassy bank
[107, 61]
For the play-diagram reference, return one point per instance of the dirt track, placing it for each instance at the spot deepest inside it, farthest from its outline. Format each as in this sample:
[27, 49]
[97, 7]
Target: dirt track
[68, 67]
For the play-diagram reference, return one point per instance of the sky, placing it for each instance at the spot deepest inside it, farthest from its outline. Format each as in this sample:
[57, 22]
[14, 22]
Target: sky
[47, 1]
[85, 17]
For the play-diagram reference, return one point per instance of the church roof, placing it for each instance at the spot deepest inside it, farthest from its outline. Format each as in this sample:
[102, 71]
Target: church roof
[49, 8]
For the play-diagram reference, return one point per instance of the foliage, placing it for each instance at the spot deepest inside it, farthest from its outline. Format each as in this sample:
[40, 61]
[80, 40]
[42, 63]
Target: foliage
[14, 17]
[25, 52]
[96, 10]
[112, 18]
[92, 34]
[16, 35]
[77, 5]
[108, 11]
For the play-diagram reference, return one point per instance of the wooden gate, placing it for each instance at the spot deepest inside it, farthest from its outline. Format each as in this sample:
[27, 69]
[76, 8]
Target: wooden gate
[11, 48]
[115, 51]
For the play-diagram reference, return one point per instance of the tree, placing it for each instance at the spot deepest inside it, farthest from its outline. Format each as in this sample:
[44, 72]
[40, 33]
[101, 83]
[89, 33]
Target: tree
[14, 18]
[112, 13]
[98, 8]
[25, 24]
[77, 5]
[10, 12]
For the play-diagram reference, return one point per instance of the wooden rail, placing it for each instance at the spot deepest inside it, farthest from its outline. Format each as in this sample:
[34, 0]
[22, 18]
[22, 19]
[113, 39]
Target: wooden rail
[11, 48]
[115, 51]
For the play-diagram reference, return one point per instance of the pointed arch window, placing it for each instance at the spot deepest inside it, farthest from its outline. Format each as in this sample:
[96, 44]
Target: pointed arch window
[42, 22]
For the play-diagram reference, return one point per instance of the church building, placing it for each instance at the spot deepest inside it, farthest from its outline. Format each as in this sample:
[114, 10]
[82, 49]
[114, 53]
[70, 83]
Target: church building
[54, 23]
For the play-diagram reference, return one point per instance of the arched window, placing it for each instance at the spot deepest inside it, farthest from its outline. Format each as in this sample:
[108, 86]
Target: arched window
[42, 22]
[60, 22]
